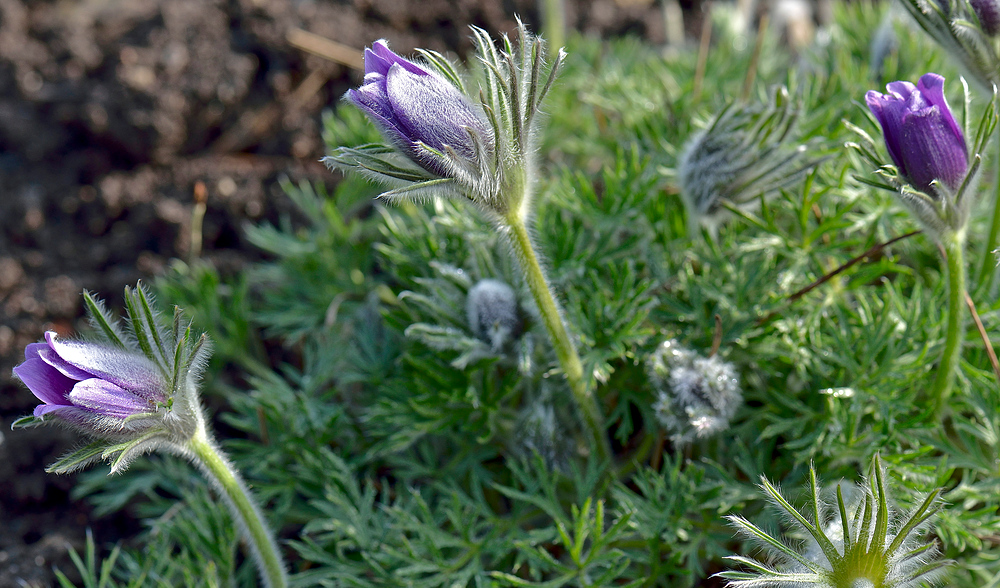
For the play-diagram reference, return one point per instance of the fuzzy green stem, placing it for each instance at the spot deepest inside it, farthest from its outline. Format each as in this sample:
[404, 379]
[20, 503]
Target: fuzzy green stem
[954, 244]
[988, 269]
[566, 352]
[248, 516]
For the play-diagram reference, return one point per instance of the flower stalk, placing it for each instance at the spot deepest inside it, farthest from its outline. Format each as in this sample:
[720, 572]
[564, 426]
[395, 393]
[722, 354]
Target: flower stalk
[205, 453]
[132, 391]
[954, 247]
[569, 359]
[443, 142]
[935, 174]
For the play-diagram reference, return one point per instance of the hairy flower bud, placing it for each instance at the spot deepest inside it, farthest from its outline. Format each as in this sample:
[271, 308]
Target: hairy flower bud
[746, 151]
[418, 109]
[493, 315]
[132, 392]
[921, 134]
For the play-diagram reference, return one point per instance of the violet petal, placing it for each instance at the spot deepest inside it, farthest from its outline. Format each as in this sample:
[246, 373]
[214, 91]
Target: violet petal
[431, 110]
[32, 349]
[932, 150]
[902, 89]
[383, 57]
[889, 113]
[45, 382]
[107, 399]
[931, 86]
[44, 409]
[126, 370]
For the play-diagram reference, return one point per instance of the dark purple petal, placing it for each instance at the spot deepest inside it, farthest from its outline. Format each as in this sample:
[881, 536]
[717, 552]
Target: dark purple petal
[123, 369]
[372, 99]
[380, 58]
[930, 147]
[45, 382]
[889, 114]
[921, 134]
[431, 110]
[988, 12]
[105, 398]
[931, 86]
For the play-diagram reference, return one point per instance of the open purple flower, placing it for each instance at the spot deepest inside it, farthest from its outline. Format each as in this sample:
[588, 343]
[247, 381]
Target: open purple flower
[921, 134]
[92, 386]
[411, 105]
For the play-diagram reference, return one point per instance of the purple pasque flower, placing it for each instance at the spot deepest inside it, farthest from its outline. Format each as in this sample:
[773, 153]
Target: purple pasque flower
[921, 134]
[412, 105]
[988, 13]
[94, 387]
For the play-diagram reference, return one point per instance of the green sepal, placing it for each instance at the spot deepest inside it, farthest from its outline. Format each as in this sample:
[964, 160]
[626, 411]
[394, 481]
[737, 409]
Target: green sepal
[26, 422]
[444, 67]
[79, 458]
[377, 160]
[103, 320]
[415, 190]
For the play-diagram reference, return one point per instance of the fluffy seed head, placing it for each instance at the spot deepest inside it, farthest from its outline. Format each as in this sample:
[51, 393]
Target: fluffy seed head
[696, 396]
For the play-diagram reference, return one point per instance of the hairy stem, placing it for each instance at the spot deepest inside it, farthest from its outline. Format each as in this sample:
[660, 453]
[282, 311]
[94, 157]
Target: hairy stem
[566, 352]
[245, 511]
[954, 244]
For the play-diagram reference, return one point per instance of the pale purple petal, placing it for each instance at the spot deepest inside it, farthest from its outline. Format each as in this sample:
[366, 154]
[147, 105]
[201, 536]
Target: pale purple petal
[372, 99]
[32, 349]
[84, 419]
[901, 89]
[49, 356]
[44, 409]
[126, 370]
[44, 381]
[431, 110]
[105, 398]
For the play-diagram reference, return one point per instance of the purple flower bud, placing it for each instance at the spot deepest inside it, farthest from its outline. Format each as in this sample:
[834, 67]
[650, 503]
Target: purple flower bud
[412, 105]
[921, 134]
[91, 386]
[988, 12]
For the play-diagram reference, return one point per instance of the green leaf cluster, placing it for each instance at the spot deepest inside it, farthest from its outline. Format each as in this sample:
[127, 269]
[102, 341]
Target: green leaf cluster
[390, 448]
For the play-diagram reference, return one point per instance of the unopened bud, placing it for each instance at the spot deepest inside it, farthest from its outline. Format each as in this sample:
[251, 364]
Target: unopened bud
[493, 314]
[746, 151]
[988, 12]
